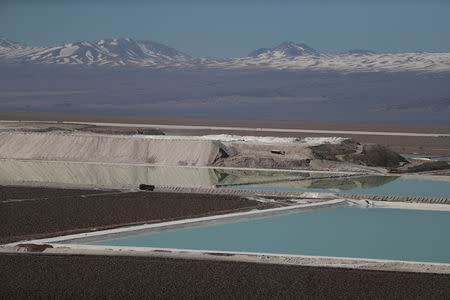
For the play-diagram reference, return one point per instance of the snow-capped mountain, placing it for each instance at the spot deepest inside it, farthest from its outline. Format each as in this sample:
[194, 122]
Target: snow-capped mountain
[286, 49]
[111, 52]
[286, 56]
[293, 56]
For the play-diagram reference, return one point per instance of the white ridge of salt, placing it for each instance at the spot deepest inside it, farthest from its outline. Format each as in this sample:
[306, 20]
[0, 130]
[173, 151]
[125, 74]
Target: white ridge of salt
[310, 141]
[315, 141]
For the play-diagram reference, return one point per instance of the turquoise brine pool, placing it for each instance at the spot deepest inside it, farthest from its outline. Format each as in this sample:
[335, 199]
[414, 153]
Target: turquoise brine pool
[440, 158]
[399, 186]
[398, 234]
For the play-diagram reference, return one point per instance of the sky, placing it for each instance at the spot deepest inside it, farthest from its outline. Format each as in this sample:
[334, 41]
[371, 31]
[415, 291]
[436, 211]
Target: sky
[234, 28]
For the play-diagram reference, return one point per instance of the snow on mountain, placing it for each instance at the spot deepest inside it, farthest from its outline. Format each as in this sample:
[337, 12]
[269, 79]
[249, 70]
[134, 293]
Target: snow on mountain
[286, 49]
[349, 62]
[286, 56]
[293, 56]
[111, 52]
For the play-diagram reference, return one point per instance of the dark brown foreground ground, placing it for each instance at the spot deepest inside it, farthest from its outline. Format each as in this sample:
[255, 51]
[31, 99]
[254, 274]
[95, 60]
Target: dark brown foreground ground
[99, 277]
[439, 146]
[33, 212]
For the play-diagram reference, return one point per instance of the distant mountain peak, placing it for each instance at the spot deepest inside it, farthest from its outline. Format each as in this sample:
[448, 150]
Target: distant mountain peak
[4, 42]
[288, 49]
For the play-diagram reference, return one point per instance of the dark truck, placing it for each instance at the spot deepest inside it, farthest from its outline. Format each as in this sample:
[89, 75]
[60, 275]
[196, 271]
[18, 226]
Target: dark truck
[281, 152]
[146, 187]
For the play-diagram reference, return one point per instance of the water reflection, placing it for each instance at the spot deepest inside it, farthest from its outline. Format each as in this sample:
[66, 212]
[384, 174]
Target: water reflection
[344, 184]
[131, 175]
[118, 175]
[230, 177]
[331, 184]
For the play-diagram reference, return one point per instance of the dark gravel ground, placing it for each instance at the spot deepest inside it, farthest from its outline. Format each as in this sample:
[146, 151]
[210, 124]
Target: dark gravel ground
[28, 276]
[20, 192]
[59, 211]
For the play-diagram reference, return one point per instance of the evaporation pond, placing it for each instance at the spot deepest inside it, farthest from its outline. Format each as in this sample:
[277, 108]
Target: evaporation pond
[398, 186]
[399, 234]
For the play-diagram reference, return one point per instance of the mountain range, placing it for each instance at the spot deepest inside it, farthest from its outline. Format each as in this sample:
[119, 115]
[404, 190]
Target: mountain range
[110, 52]
[286, 56]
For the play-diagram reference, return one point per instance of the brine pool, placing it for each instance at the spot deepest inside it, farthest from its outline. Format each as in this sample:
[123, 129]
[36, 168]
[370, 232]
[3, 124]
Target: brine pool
[397, 186]
[376, 233]
[439, 158]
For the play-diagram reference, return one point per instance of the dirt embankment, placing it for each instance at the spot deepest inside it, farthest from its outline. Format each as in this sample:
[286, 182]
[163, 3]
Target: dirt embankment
[347, 155]
[241, 155]
[374, 155]
[371, 155]
[377, 156]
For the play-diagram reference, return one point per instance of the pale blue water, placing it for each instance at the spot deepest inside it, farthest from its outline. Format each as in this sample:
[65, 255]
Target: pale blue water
[401, 186]
[443, 158]
[413, 235]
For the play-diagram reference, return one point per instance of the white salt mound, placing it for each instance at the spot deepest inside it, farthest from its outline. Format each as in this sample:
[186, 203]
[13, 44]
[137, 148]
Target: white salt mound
[101, 148]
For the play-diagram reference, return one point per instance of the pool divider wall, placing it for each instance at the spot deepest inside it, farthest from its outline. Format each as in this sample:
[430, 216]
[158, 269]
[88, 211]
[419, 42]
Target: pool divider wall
[250, 257]
[249, 192]
[398, 198]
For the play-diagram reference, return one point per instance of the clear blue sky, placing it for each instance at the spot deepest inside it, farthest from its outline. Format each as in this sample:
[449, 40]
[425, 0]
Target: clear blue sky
[234, 28]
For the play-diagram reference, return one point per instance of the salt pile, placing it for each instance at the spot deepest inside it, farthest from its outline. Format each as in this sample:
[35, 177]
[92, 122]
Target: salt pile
[102, 148]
